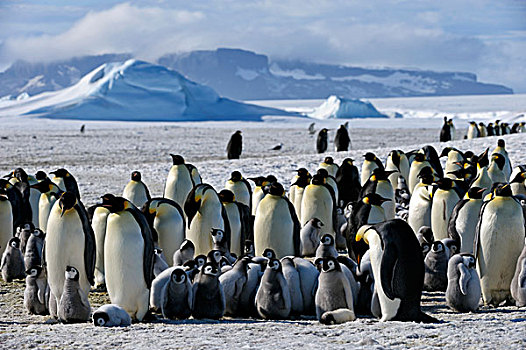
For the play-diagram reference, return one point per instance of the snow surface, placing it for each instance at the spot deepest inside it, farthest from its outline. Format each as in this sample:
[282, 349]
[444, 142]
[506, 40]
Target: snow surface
[345, 108]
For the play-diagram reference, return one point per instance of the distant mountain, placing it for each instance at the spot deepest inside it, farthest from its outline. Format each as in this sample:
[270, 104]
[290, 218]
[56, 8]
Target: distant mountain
[135, 90]
[246, 75]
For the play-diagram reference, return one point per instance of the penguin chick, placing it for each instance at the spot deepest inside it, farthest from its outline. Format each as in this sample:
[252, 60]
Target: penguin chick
[326, 248]
[518, 283]
[436, 262]
[177, 296]
[157, 287]
[25, 232]
[74, 305]
[33, 254]
[36, 294]
[12, 264]
[209, 298]
[273, 295]
[111, 315]
[292, 277]
[159, 264]
[234, 282]
[463, 286]
[221, 244]
[185, 253]
[310, 237]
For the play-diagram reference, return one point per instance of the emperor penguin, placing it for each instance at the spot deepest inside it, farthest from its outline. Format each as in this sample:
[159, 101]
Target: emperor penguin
[445, 198]
[452, 128]
[482, 178]
[496, 168]
[292, 276]
[34, 198]
[12, 263]
[167, 220]
[501, 149]
[435, 278]
[319, 202]
[329, 165]
[34, 249]
[464, 217]
[322, 141]
[74, 305]
[209, 297]
[499, 240]
[177, 296]
[326, 247]
[454, 158]
[128, 256]
[310, 235]
[308, 283]
[419, 162]
[342, 139]
[473, 131]
[49, 194]
[185, 253]
[370, 163]
[136, 191]
[297, 188]
[517, 182]
[262, 183]
[181, 179]
[276, 225]
[36, 294]
[235, 145]
[204, 211]
[445, 132]
[15, 199]
[233, 283]
[483, 130]
[98, 223]
[398, 163]
[490, 130]
[65, 181]
[273, 295]
[6, 219]
[111, 315]
[463, 284]
[379, 183]
[240, 187]
[432, 157]
[348, 180]
[331, 182]
[518, 283]
[20, 181]
[398, 270]
[70, 241]
[239, 219]
[334, 293]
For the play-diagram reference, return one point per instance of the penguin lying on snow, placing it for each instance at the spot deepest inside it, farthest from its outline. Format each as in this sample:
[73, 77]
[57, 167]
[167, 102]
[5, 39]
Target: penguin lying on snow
[111, 315]
[463, 288]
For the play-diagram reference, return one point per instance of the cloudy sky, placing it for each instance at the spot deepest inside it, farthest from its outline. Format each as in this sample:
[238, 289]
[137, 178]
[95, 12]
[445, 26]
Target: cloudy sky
[486, 37]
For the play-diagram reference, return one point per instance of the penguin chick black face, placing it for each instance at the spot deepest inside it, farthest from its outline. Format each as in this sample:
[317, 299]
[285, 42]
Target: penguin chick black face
[15, 242]
[214, 256]
[437, 247]
[158, 251]
[67, 201]
[274, 264]
[224, 262]
[468, 260]
[178, 276]
[100, 319]
[136, 176]
[217, 235]
[328, 264]
[269, 254]
[210, 269]
[327, 239]
[177, 159]
[317, 223]
[72, 273]
[200, 260]
[34, 271]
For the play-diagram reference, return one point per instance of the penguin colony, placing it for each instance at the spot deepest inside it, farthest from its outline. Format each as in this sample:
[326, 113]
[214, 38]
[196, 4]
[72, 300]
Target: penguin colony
[448, 131]
[337, 244]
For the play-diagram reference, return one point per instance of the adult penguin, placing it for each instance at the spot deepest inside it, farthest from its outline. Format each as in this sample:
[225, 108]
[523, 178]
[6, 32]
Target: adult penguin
[454, 161]
[136, 191]
[518, 181]
[329, 165]
[276, 225]
[482, 178]
[501, 149]
[297, 188]
[452, 129]
[99, 222]
[397, 161]
[205, 212]
[240, 187]
[235, 145]
[473, 131]
[496, 128]
[496, 168]
[483, 130]
[419, 162]
[70, 241]
[66, 182]
[379, 183]
[181, 179]
[370, 163]
[15, 199]
[322, 141]
[167, 223]
[463, 221]
[49, 194]
[445, 197]
[398, 269]
[330, 181]
[261, 182]
[434, 160]
[445, 132]
[6, 219]
[20, 181]
[239, 219]
[128, 256]
[489, 129]
[348, 181]
[319, 202]
[518, 283]
[498, 243]
[342, 139]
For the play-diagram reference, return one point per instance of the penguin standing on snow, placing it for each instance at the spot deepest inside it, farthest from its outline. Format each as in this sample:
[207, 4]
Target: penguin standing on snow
[49, 194]
[209, 298]
[445, 132]
[239, 219]
[498, 243]
[445, 198]
[463, 286]
[348, 180]
[342, 139]
[12, 264]
[329, 165]
[273, 296]
[463, 221]
[240, 188]
[435, 278]
[15, 199]
[322, 141]
[398, 163]
[34, 246]
[419, 162]
[136, 191]
[518, 283]
[36, 294]
[398, 270]
[473, 131]
[74, 304]
[370, 163]
[128, 256]
[185, 253]
[501, 149]
[297, 188]
[319, 201]
[310, 237]
[379, 183]
[235, 145]
[181, 179]
[177, 296]
[99, 221]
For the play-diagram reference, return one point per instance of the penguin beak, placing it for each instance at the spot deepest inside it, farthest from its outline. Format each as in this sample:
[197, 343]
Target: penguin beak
[362, 234]
[62, 212]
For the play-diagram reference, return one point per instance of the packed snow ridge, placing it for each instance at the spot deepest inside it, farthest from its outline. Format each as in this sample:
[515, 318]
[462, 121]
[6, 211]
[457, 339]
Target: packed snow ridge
[135, 90]
[344, 108]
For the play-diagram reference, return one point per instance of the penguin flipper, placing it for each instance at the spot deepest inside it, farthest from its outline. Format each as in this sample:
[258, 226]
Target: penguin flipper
[476, 242]
[226, 223]
[452, 226]
[89, 243]
[297, 228]
[387, 270]
[247, 231]
[465, 276]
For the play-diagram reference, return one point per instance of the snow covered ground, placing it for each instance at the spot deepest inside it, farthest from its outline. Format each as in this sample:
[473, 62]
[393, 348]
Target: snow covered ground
[102, 160]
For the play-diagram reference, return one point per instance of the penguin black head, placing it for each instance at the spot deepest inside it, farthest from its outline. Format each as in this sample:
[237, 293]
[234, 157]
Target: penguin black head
[200, 260]
[210, 269]
[179, 276]
[40, 175]
[238, 132]
[274, 264]
[327, 240]
[157, 251]
[475, 192]
[427, 233]
[328, 160]
[269, 254]
[226, 196]
[72, 273]
[187, 244]
[419, 157]
[468, 154]
[483, 159]
[503, 190]
[323, 131]
[249, 247]
[446, 151]
[14, 242]
[100, 319]
[190, 265]
[303, 172]
[468, 260]
[374, 199]
[224, 262]
[328, 264]
[445, 184]
[499, 160]
[39, 233]
[369, 157]
[136, 176]
[276, 189]
[177, 159]
[67, 201]
[217, 235]
[258, 180]
[34, 271]
[28, 226]
[60, 173]
[316, 222]
[501, 143]
[519, 178]
[322, 172]
[235, 176]
[318, 180]
[213, 256]
[271, 179]
[115, 204]
[379, 174]
[438, 247]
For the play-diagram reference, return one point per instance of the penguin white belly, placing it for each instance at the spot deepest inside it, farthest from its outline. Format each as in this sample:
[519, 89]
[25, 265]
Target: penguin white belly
[466, 224]
[170, 229]
[292, 193]
[384, 189]
[419, 209]
[240, 191]
[404, 167]
[207, 218]
[123, 262]
[273, 227]
[257, 196]
[518, 188]
[389, 307]
[472, 132]
[34, 198]
[393, 178]
[235, 228]
[501, 242]
[482, 180]
[443, 204]
[6, 224]
[367, 170]
[99, 223]
[64, 247]
[45, 204]
[298, 197]
[178, 184]
[135, 193]
[317, 203]
[507, 164]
